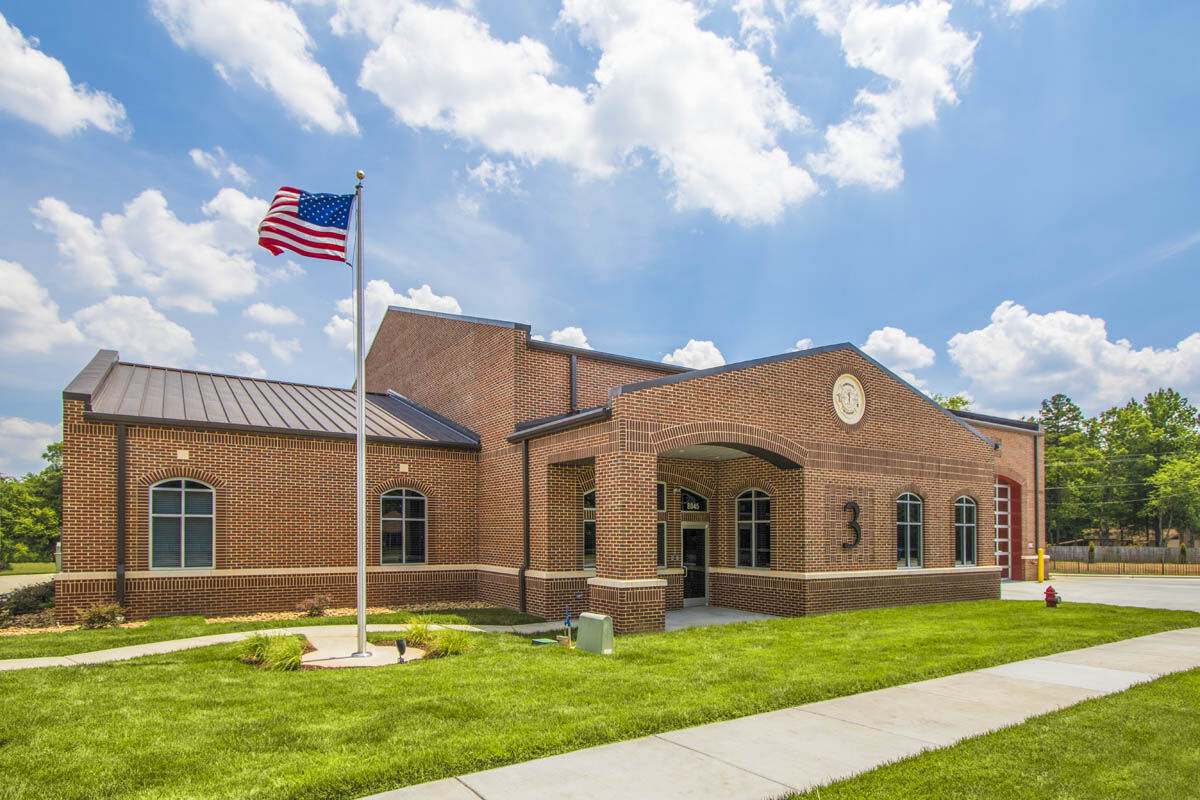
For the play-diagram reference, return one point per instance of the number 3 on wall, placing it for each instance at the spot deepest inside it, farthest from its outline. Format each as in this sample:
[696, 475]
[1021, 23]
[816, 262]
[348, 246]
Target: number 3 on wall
[852, 507]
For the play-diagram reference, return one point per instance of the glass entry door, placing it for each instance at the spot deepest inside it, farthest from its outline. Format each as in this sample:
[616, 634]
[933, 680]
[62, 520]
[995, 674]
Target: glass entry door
[695, 561]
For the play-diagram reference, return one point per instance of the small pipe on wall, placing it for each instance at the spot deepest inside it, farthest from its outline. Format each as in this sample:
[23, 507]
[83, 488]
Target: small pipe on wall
[122, 434]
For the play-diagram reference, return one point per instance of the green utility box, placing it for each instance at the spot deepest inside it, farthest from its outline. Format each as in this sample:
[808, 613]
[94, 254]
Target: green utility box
[595, 634]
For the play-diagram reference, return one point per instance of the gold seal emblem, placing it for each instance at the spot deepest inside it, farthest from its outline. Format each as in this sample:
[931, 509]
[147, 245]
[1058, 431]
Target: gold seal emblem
[849, 401]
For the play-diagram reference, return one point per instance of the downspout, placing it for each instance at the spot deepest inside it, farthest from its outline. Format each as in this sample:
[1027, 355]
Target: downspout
[122, 431]
[525, 482]
[574, 383]
[1037, 495]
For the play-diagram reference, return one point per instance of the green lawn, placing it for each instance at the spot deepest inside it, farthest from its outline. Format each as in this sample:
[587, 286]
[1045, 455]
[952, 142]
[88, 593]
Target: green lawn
[29, 568]
[199, 724]
[1140, 743]
[156, 630]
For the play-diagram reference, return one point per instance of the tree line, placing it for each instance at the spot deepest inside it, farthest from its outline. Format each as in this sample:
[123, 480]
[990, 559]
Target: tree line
[31, 511]
[1129, 475]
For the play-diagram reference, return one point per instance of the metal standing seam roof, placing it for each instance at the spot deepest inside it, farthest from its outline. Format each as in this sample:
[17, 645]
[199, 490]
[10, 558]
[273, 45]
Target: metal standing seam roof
[139, 392]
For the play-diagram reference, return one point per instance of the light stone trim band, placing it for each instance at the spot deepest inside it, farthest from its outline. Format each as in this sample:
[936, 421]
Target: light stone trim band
[216, 573]
[637, 583]
[861, 573]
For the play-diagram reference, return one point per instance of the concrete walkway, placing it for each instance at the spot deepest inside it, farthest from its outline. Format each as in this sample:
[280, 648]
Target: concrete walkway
[770, 755]
[10, 583]
[330, 638]
[1181, 594]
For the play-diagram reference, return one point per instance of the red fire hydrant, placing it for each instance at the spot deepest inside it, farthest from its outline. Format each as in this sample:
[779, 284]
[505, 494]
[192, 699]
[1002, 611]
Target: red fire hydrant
[1051, 597]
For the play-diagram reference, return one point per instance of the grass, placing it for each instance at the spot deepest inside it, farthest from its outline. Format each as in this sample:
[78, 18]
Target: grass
[200, 724]
[67, 643]
[1140, 743]
[29, 568]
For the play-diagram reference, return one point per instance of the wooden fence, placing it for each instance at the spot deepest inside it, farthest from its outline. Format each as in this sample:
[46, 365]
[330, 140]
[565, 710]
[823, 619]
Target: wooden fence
[1073, 559]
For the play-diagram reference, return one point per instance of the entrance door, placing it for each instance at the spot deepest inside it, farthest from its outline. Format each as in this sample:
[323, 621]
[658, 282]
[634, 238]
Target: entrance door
[695, 561]
[1003, 527]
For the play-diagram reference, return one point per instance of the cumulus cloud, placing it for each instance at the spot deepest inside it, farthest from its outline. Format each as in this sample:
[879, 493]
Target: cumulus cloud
[923, 59]
[187, 265]
[899, 352]
[570, 335]
[267, 314]
[249, 365]
[1021, 357]
[495, 177]
[801, 344]
[219, 165]
[38, 89]
[22, 443]
[133, 326]
[696, 354]
[377, 296]
[265, 41]
[659, 77]
[1018, 7]
[30, 322]
[283, 349]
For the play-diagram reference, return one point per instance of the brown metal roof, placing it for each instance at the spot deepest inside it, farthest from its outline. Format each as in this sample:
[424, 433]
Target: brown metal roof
[137, 392]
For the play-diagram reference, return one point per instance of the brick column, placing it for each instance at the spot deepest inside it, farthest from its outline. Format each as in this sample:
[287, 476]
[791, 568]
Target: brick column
[627, 586]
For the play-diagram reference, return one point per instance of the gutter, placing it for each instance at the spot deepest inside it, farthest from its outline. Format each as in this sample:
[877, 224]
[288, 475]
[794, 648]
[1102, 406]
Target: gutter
[122, 482]
[566, 423]
[525, 558]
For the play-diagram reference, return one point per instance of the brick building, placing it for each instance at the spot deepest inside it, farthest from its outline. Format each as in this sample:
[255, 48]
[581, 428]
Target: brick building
[536, 475]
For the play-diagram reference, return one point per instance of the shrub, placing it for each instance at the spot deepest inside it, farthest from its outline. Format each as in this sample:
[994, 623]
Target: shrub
[419, 631]
[315, 606]
[1091, 552]
[253, 649]
[1183, 553]
[29, 599]
[450, 642]
[101, 616]
[283, 653]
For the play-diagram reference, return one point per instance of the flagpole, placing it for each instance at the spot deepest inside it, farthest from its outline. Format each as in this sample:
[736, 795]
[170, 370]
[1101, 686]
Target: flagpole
[360, 449]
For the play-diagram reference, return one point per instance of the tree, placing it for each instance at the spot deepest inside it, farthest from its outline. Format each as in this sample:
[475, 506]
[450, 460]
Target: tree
[1074, 468]
[954, 402]
[30, 528]
[1059, 417]
[1175, 494]
[47, 484]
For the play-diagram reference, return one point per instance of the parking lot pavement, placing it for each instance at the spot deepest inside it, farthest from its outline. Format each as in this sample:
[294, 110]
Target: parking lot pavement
[1181, 594]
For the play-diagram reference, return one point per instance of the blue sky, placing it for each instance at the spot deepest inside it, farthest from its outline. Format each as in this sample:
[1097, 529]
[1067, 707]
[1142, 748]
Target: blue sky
[995, 196]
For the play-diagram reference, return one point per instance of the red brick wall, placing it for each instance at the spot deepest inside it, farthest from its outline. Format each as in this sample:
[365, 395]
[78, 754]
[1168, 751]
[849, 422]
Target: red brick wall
[1014, 461]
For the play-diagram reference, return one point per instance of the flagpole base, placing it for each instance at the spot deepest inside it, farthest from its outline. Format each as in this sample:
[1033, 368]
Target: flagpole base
[362, 654]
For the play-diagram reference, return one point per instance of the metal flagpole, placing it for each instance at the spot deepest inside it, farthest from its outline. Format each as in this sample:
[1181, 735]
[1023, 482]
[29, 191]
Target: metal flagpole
[360, 449]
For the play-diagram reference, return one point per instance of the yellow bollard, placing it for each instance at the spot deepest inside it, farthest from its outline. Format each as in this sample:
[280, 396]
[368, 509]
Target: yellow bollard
[1041, 565]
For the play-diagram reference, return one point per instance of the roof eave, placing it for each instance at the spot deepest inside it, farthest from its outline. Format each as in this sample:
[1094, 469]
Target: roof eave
[555, 426]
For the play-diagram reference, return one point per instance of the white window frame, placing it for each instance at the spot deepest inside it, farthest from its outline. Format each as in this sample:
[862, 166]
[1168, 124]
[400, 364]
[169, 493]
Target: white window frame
[182, 516]
[753, 522]
[919, 502]
[1003, 527]
[963, 529]
[404, 520]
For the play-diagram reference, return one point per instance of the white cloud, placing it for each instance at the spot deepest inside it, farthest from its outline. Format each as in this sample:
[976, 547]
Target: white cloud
[266, 41]
[267, 314]
[697, 355]
[219, 165]
[249, 364]
[659, 78]
[38, 89]
[79, 241]
[922, 57]
[22, 443]
[757, 27]
[187, 265]
[283, 272]
[899, 352]
[1017, 7]
[133, 326]
[30, 322]
[1020, 358]
[495, 177]
[283, 349]
[570, 335]
[377, 296]
[802, 344]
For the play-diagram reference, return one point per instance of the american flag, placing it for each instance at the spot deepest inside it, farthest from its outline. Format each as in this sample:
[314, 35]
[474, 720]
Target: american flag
[312, 225]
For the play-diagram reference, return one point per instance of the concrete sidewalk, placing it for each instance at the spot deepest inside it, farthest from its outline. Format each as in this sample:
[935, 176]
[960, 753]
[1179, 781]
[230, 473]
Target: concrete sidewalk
[1143, 591]
[316, 633]
[770, 755]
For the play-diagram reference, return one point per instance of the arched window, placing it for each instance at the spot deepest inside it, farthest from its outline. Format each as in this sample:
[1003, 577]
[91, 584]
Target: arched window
[402, 527]
[181, 525]
[690, 501]
[964, 532]
[753, 529]
[908, 530]
[589, 531]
